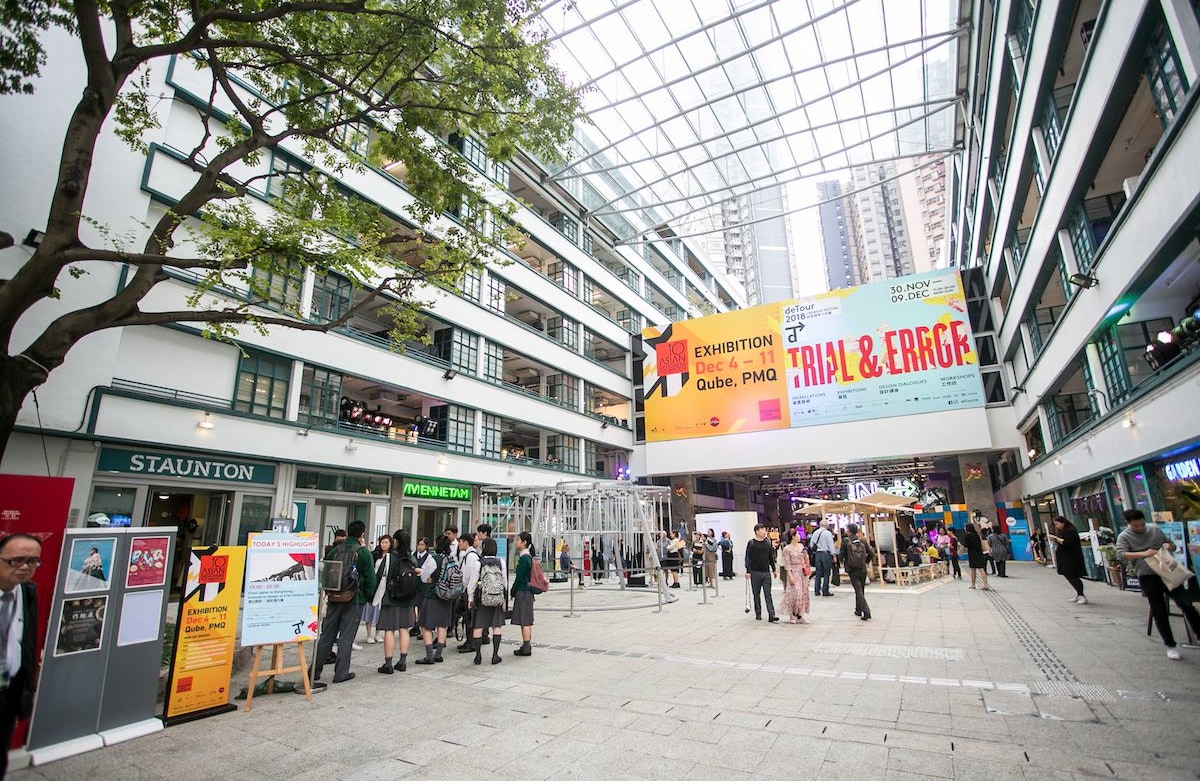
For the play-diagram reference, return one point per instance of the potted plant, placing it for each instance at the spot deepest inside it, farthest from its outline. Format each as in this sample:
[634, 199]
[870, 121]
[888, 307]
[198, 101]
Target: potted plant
[1112, 566]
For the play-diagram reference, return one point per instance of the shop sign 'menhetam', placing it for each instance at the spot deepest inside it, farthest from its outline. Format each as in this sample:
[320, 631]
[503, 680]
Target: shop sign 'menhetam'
[457, 493]
[196, 468]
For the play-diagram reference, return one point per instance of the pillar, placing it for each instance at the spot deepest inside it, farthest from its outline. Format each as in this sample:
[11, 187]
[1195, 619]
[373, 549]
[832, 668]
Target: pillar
[978, 492]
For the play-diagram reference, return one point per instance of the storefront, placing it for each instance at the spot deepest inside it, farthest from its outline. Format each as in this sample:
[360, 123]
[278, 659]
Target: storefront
[1174, 494]
[328, 499]
[208, 500]
[429, 506]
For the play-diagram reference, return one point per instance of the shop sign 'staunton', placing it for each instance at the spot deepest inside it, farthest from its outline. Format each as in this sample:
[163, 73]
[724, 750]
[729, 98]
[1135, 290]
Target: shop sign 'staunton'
[457, 493]
[166, 465]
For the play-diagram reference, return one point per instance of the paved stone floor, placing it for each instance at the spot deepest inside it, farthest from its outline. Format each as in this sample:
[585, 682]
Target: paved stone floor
[945, 682]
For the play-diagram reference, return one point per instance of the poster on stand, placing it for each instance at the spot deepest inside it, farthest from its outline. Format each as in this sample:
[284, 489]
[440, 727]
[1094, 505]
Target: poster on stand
[205, 635]
[1193, 548]
[90, 565]
[147, 562]
[281, 588]
[81, 626]
[1173, 531]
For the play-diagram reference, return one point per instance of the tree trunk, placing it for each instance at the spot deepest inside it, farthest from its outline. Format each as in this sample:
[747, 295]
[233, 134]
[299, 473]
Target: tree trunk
[18, 377]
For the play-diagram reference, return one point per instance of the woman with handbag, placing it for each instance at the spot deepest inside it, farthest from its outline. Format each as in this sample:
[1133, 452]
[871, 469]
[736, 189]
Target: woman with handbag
[796, 600]
[522, 597]
[1068, 554]
[1140, 545]
[976, 558]
[674, 558]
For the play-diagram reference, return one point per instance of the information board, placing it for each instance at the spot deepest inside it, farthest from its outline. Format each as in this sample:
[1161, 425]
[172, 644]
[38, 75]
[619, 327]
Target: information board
[281, 588]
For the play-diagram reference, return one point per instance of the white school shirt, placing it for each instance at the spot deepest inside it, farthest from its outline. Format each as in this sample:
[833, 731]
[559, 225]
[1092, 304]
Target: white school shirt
[470, 572]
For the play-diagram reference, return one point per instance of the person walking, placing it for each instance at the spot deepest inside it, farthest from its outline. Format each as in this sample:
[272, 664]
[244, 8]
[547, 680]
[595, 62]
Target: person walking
[487, 617]
[760, 567]
[726, 546]
[952, 552]
[976, 560]
[856, 555]
[20, 556]
[796, 600]
[396, 615]
[1137, 543]
[341, 618]
[823, 549]
[1001, 549]
[710, 557]
[435, 613]
[522, 597]
[1068, 556]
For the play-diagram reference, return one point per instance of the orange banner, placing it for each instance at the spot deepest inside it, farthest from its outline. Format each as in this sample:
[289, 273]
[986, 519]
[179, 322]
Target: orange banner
[205, 634]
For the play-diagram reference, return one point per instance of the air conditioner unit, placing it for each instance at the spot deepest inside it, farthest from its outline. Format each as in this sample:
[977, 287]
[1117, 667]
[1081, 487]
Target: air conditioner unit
[383, 394]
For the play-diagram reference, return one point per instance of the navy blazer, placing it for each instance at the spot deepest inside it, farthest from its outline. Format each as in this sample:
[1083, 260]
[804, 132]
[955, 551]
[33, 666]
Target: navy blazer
[25, 680]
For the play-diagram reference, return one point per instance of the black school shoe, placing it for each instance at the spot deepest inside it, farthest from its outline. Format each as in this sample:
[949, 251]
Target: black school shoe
[385, 668]
[349, 677]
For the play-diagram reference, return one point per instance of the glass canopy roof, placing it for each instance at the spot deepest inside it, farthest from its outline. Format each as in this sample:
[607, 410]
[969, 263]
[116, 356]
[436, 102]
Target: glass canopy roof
[694, 102]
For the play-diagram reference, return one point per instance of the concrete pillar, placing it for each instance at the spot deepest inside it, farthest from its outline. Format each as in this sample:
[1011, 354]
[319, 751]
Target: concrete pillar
[978, 492]
[683, 508]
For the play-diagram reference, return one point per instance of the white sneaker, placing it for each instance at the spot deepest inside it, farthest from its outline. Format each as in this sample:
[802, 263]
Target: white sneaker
[1081, 601]
[1075, 598]
[356, 646]
[1173, 654]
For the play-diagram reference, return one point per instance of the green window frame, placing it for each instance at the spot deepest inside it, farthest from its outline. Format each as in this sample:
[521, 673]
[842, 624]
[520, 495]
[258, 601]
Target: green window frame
[493, 362]
[332, 296]
[470, 283]
[460, 429]
[563, 450]
[1164, 73]
[565, 276]
[320, 396]
[1051, 126]
[262, 384]
[497, 299]
[492, 435]
[564, 331]
[283, 184]
[1082, 240]
[280, 286]
[1112, 365]
[457, 347]
[563, 389]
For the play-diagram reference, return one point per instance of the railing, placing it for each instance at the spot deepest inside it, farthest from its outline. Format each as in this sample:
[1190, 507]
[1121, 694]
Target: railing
[173, 394]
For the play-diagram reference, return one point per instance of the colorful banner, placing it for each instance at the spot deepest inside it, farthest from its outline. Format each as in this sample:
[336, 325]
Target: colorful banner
[1173, 531]
[899, 347]
[1193, 548]
[281, 588]
[205, 634]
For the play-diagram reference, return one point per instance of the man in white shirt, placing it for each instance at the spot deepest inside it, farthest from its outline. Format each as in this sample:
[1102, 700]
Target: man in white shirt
[20, 555]
[823, 550]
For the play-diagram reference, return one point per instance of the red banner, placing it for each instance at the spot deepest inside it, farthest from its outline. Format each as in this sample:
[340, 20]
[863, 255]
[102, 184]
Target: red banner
[37, 506]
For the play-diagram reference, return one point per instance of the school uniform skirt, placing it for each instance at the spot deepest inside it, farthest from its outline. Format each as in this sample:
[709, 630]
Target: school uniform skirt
[435, 613]
[522, 609]
[488, 616]
[395, 617]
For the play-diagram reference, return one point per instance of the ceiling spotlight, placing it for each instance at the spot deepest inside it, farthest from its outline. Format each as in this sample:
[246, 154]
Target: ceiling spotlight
[1084, 281]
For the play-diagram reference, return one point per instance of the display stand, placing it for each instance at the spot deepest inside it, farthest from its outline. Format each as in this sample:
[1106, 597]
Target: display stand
[277, 668]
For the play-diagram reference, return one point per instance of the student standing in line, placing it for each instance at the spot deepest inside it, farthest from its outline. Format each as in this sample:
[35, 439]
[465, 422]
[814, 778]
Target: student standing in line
[435, 613]
[468, 558]
[1069, 556]
[396, 616]
[1138, 542]
[372, 608]
[522, 597]
[857, 554]
[488, 615]
[976, 560]
[483, 532]
[760, 567]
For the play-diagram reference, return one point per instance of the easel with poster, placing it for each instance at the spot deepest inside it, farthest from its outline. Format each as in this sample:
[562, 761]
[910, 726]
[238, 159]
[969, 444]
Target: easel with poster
[280, 609]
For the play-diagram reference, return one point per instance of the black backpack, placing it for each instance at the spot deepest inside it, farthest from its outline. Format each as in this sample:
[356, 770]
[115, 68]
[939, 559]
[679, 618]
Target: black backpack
[339, 573]
[404, 582]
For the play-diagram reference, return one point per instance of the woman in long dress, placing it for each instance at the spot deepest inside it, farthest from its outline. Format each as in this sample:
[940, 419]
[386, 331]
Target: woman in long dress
[795, 593]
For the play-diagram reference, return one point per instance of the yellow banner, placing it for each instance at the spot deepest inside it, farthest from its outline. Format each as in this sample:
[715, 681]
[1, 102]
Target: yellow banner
[721, 374]
[205, 635]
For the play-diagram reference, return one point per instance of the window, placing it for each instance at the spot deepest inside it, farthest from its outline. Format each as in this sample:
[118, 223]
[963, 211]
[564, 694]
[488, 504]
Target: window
[1164, 75]
[493, 362]
[1122, 351]
[356, 136]
[497, 294]
[563, 389]
[457, 347]
[470, 283]
[630, 320]
[564, 331]
[343, 482]
[320, 396]
[565, 276]
[1051, 128]
[993, 387]
[262, 384]
[331, 297]
[460, 428]
[563, 450]
[279, 287]
[491, 435]
[285, 184]
[1082, 242]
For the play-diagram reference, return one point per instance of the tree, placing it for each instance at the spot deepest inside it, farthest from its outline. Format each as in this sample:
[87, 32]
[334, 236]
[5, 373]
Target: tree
[320, 75]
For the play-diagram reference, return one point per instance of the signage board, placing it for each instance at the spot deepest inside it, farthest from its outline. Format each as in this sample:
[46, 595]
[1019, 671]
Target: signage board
[195, 467]
[281, 588]
[898, 347]
[428, 489]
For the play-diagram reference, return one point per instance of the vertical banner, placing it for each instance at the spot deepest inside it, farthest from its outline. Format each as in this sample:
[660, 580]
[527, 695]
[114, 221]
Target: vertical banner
[281, 588]
[1193, 547]
[37, 506]
[205, 635]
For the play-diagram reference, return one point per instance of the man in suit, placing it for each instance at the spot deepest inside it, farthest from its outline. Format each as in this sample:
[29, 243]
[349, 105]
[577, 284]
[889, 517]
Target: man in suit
[20, 555]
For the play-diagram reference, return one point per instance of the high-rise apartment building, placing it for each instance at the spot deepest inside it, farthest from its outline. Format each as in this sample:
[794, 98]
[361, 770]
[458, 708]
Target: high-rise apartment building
[758, 245]
[836, 242]
[883, 250]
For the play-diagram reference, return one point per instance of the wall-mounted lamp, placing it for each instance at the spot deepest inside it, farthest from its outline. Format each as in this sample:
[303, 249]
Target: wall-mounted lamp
[1084, 281]
[1094, 392]
[449, 374]
[206, 422]
[604, 424]
[34, 238]
[303, 432]
[1057, 461]
[1128, 421]
[442, 461]
[351, 446]
[1018, 389]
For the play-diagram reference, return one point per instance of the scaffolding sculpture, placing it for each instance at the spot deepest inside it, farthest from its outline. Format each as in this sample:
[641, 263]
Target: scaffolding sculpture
[621, 519]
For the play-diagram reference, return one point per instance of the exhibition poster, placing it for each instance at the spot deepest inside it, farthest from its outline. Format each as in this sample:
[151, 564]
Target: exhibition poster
[205, 634]
[898, 347]
[281, 588]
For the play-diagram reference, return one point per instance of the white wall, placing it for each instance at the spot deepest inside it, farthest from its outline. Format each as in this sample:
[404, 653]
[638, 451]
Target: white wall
[174, 359]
